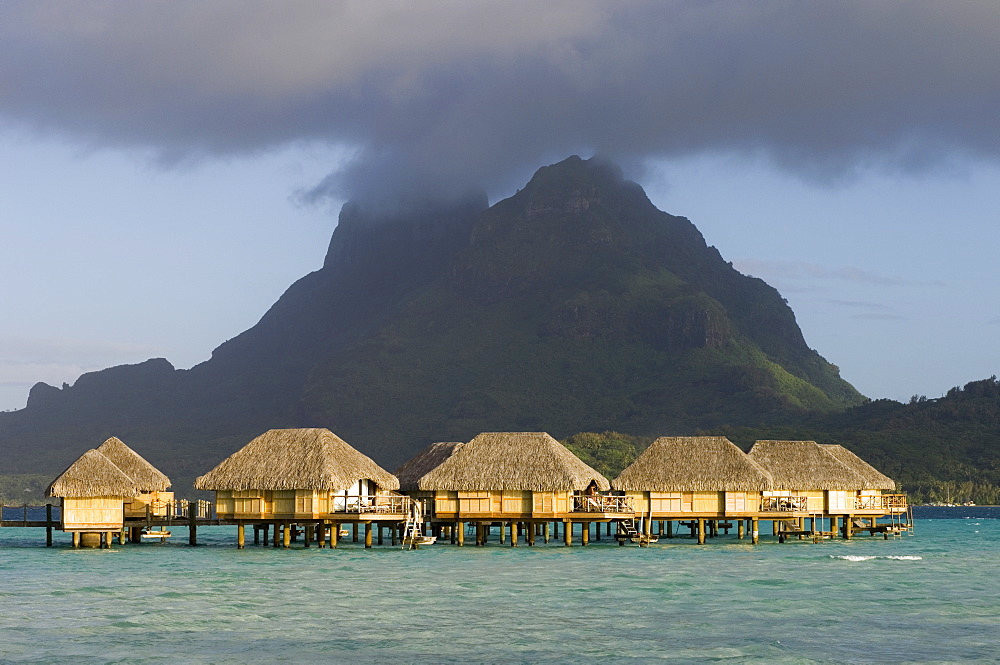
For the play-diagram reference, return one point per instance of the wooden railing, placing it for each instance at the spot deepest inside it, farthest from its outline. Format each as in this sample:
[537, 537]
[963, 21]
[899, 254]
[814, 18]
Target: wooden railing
[174, 509]
[379, 503]
[886, 502]
[784, 504]
[601, 504]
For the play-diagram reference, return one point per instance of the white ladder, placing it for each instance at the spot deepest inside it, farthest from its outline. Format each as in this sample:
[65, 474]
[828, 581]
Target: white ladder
[413, 531]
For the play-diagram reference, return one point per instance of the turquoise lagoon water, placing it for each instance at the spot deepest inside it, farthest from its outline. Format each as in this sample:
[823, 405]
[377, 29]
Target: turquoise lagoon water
[933, 597]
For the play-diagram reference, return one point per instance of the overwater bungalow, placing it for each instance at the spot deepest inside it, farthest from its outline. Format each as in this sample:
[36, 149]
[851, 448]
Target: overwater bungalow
[93, 491]
[817, 481]
[696, 479]
[153, 500]
[807, 478]
[303, 477]
[527, 480]
[877, 496]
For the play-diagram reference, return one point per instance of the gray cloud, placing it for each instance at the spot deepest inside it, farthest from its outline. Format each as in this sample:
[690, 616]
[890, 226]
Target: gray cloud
[451, 95]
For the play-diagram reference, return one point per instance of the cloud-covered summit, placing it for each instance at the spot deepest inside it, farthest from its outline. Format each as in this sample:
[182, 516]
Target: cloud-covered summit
[448, 96]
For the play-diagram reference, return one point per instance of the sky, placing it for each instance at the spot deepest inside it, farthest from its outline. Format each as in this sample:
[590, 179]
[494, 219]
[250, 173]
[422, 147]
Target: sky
[169, 169]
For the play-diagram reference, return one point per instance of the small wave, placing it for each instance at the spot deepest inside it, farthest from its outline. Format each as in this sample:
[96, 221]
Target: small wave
[855, 557]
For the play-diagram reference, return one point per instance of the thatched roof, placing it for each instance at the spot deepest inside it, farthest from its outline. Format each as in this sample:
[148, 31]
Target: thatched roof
[147, 476]
[427, 459]
[804, 465]
[693, 464]
[876, 479]
[93, 474]
[512, 461]
[295, 459]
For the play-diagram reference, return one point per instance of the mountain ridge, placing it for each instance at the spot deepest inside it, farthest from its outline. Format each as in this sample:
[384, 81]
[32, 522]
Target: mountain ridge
[573, 304]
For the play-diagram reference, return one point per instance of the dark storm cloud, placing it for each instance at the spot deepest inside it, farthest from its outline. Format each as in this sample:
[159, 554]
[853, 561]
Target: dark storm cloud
[452, 95]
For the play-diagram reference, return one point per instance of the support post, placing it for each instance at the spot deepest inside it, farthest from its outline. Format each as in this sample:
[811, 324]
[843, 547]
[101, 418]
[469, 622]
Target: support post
[585, 534]
[334, 534]
[241, 536]
[529, 533]
[568, 534]
[503, 533]
[380, 530]
[754, 530]
[515, 531]
[76, 539]
[192, 523]
[368, 535]
[701, 531]
[48, 523]
[546, 533]
[670, 528]
[740, 527]
[286, 535]
[460, 533]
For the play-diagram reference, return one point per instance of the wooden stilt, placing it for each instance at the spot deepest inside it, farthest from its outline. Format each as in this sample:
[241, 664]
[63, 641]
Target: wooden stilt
[357, 532]
[567, 528]
[320, 535]
[378, 525]
[701, 531]
[241, 536]
[135, 534]
[286, 535]
[265, 531]
[48, 524]
[368, 535]
[503, 533]
[585, 534]
[76, 539]
[460, 533]
[276, 539]
[394, 530]
[192, 523]
[848, 527]
[555, 530]
[597, 532]
[529, 534]
[670, 528]
[515, 532]
[754, 530]
[309, 535]
[546, 533]
[740, 528]
[334, 534]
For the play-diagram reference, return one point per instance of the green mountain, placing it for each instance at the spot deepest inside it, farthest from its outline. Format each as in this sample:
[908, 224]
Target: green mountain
[945, 449]
[573, 305]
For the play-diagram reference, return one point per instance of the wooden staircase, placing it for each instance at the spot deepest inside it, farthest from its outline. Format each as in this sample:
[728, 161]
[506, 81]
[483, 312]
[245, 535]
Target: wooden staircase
[627, 529]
